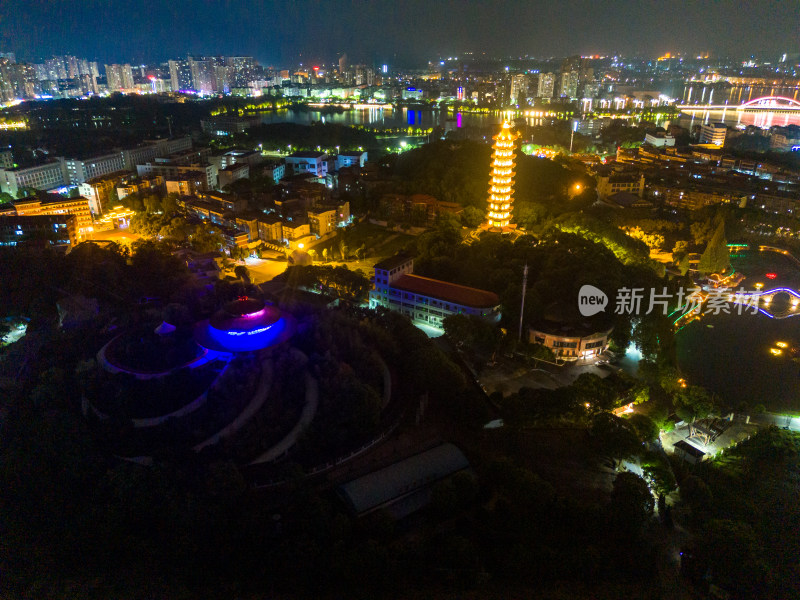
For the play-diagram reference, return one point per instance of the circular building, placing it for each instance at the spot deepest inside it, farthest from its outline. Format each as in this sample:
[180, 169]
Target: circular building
[243, 325]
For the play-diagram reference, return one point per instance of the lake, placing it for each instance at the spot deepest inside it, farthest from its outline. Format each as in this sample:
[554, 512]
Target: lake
[731, 354]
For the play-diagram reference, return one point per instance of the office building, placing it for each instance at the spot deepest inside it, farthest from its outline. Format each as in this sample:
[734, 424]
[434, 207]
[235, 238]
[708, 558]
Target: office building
[98, 191]
[351, 159]
[6, 159]
[58, 230]
[713, 133]
[153, 149]
[79, 207]
[236, 156]
[206, 175]
[427, 301]
[308, 161]
[659, 139]
[323, 218]
[233, 173]
[48, 176]
[79, 171]
[609, 184]
[275, 170]
[570, 341]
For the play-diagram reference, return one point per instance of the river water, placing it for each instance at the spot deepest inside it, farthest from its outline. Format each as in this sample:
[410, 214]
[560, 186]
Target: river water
[388, 118]
[731, 354]
[721, 94]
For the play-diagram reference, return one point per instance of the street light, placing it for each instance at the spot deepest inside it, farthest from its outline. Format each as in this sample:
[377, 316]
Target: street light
[572, 134]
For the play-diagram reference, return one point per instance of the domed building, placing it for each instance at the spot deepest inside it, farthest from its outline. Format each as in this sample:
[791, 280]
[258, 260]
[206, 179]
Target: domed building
[243, 325]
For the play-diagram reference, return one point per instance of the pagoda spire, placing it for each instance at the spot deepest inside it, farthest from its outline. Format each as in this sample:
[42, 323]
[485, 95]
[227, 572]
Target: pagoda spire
[501, 182]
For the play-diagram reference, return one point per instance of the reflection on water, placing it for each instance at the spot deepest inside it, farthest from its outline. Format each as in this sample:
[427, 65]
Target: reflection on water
[732, 354]
[733, 358]
[735, 118]
[390, 118]
[735, 95]
[722, 94]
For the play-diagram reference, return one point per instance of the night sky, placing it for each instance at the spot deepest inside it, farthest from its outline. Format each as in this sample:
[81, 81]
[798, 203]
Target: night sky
[393, 31]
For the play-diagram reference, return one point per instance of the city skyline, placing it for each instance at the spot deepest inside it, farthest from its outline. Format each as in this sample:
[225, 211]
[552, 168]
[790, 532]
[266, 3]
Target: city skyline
[279, 33]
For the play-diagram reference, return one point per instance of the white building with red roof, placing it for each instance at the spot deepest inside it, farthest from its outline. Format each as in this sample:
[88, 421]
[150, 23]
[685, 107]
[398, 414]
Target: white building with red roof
[425, 300]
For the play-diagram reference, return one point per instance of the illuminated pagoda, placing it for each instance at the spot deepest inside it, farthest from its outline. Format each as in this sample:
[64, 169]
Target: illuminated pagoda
[501, 189]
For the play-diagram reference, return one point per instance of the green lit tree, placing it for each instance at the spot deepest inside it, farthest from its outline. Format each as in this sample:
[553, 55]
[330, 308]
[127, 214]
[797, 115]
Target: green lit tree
[716, 258]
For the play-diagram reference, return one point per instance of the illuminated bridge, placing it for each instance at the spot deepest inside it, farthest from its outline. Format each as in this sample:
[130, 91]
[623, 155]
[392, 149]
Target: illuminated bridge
[762, 301]
[771, 104]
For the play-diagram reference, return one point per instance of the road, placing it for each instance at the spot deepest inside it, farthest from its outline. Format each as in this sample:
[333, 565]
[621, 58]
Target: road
[782, 421]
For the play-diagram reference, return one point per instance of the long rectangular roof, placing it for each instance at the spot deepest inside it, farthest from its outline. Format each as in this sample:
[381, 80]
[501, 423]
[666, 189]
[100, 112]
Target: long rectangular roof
[444, 290]
[689, 449]
[396, 481]
[392, 262]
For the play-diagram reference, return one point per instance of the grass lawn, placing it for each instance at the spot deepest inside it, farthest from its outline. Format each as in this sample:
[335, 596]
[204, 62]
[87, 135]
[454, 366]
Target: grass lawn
[378, 241]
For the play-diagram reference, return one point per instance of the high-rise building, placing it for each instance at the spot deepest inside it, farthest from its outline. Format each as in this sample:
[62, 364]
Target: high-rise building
[119, 77]
[6, 80]
[41, 71]
[242, 70]
[180, 75]
[113, 77]
[89, 84]
[26, 84]
[519, 88]
[501, 188]
[17, 80]
[546, 86]
[54, 68]
[203, 76]
[343, 63]
[568, 84]
[71, 65]
[591, 89]
[222, 79]
[127, 77]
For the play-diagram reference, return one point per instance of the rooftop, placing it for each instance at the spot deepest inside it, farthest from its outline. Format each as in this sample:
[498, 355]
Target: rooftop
[307, 154]
[449, 292]
[403, 478]
[689, 449]
[626, 200]
[387, 264]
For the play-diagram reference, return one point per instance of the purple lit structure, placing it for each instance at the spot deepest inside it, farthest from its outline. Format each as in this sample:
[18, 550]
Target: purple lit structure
[243, 325]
